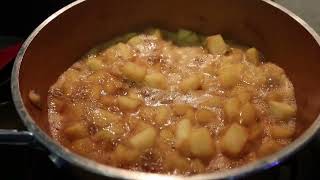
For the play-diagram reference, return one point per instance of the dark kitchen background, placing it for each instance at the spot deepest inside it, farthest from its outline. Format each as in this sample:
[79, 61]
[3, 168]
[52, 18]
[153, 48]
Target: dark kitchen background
[17, 20]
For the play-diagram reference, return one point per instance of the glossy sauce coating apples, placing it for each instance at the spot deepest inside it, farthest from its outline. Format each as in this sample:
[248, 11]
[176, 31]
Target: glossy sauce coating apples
[173, 103]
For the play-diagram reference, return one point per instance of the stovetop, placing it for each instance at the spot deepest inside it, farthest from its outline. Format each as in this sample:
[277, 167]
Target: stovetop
[27, 163]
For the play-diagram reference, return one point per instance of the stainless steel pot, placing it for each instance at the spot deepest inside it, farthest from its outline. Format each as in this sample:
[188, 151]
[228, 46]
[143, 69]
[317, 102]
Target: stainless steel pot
[62, 38]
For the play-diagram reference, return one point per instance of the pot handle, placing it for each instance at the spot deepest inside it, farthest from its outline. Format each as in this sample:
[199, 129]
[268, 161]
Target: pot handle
[15, 137]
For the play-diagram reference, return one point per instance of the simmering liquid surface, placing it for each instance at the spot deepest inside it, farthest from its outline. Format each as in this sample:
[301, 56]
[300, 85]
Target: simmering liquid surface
[148, 104]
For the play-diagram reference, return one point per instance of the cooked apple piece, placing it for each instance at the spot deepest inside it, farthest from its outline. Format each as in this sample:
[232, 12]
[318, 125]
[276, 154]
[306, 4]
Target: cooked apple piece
[201, 143]
[268, 147]
[235, 56]
[123, 51]
[95, 63]
[216, 45]
[256, 132]
[162, 115]
[247, 114]
[281, 110]
[95, 91]
[125, 155]
[110, 134]
[154, 32]
[119, 51]
[252, 55]
[104, 135]
[134, 95]
[181, 109]
[134, 72]
[103, 118]
[232, 109]
[282, 131]
[230, 75]
[107, 100]
[128, 104]
[254, 75]
[197, 166]
[191, 83]
[73, 112]
[35, 98]
[205, 116]
[183, 131]
[189, 115]
[83, 146]
[234, 140]
[76, 131]
[156, 80]
[174, 161]
[187, 38]
[214, 101]
[275, 95]
[111, 86]
[144, 139]
[136, 40]
[243, 95]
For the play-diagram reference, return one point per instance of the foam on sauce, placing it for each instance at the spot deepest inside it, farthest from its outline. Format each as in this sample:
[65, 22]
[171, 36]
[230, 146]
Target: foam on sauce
[87, 116]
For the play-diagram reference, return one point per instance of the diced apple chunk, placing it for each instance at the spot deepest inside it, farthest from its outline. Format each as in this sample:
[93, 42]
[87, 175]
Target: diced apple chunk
[243, 95]
[281, 110]
[136, 40]
[112, 86]
[128, 104]
[234, 140]
[268, 147]
[183, 131]
[174, 161]
[116, 52]
[205, 116]
[256, 132]
[281, 131]
[95, 91]
[252, 55]
[134, 95]
[107, 100]
[162, 115]
[214, 101]
[232, 109]
[155, 32]
[134, 72]
[76, 131]
[181, 109]
[248, 114]
[125, 155]
[104, 136]
[94, 63]
[83, 146]
[216, 45]
[201, 143]
[191, 83]
[123, 51]
[189, 115]
[144, 139]
[156, 80]
[35, 98]
[102, 118]
[235, 56]
[230, 75]
[197, 166]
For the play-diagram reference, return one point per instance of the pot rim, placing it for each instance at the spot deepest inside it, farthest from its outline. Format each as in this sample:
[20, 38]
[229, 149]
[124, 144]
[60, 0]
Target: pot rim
[109, 171]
